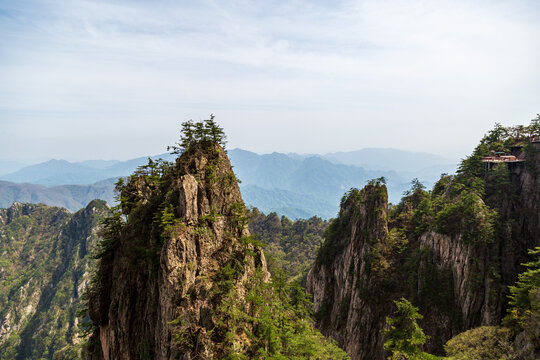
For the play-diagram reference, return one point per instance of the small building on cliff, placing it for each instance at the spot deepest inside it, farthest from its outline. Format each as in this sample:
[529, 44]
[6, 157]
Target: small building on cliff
[496, 158]
[514, 159]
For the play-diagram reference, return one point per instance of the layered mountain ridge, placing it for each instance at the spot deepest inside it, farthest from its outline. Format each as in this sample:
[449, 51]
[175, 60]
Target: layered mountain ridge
[290, 184]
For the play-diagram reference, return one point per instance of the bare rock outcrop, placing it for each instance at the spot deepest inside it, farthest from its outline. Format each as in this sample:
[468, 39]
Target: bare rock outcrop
[346, 296]
[161, 282]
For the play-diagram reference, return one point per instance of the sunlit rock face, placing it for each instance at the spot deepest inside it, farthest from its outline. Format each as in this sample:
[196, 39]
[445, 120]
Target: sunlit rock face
[158, 287]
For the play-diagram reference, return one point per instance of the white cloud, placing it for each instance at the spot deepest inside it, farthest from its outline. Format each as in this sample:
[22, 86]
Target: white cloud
[347, 75]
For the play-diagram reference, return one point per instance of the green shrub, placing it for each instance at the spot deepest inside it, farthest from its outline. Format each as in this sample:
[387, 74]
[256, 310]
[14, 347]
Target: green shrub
[524, 312]
[483, 343]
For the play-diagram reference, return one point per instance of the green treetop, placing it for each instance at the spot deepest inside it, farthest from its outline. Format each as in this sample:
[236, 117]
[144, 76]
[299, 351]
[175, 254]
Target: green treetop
[206, 131]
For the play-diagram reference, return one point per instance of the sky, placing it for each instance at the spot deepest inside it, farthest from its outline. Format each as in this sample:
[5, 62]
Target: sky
[114, 79]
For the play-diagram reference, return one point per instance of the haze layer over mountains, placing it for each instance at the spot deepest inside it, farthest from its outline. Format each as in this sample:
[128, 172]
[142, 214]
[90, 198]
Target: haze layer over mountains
[298, 186]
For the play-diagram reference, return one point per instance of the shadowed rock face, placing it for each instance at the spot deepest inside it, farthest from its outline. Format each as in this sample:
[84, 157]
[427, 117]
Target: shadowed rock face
[159, 285]
[457, 282]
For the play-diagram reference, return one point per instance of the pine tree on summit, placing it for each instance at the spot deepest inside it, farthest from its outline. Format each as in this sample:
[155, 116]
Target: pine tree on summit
[188, 133]
[215, 131]
[207, 131]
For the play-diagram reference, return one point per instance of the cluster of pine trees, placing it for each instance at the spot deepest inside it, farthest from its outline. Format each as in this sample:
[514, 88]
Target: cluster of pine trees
[205, 132]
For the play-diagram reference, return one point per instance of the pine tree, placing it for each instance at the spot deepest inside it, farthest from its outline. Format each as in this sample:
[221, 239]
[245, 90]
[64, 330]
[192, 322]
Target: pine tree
[187, 133]
[206, 132]
[405, 337]
[522, 299]
[215, 132]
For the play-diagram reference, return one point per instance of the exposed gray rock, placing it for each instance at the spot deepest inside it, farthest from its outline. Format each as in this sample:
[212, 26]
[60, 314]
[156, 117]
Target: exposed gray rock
[164, 306]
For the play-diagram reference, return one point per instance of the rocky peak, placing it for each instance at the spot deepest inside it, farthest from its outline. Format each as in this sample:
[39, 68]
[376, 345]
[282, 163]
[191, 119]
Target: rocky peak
[14, 211]
[206, 182]
[342, 280]
[167, 269]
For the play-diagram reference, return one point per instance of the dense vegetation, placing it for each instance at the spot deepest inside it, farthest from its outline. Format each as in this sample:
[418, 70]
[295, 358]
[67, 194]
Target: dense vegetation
[205, 132]
[290, 246]
[404, 336]
[279, 316]
[44, 264]
[472, 207]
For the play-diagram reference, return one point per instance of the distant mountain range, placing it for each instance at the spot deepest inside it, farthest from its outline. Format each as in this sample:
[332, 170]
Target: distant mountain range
[298, 186]
[8, 166]
[61, 172]
[71, 197]
[389, 159]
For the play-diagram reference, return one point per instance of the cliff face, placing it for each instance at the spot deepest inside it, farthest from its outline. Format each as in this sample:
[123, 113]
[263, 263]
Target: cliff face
[340, 279]
[163, 279]
[453, 252]
[44, 268]
[526, 211]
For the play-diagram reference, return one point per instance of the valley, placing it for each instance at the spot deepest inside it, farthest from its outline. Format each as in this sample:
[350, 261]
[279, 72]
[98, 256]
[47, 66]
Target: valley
[182, 268]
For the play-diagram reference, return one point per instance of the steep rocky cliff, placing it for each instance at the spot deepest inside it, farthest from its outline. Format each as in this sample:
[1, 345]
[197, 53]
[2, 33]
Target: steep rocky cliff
[343, 281]
[453, 251]
[44, 268]
[173, 262]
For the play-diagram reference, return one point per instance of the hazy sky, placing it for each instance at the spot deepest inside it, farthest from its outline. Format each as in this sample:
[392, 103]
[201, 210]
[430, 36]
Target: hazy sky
[113, 79]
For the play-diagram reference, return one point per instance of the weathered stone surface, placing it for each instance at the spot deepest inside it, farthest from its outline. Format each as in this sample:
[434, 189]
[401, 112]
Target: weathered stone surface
[188, 199]
[343, 293]
[164, 307]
